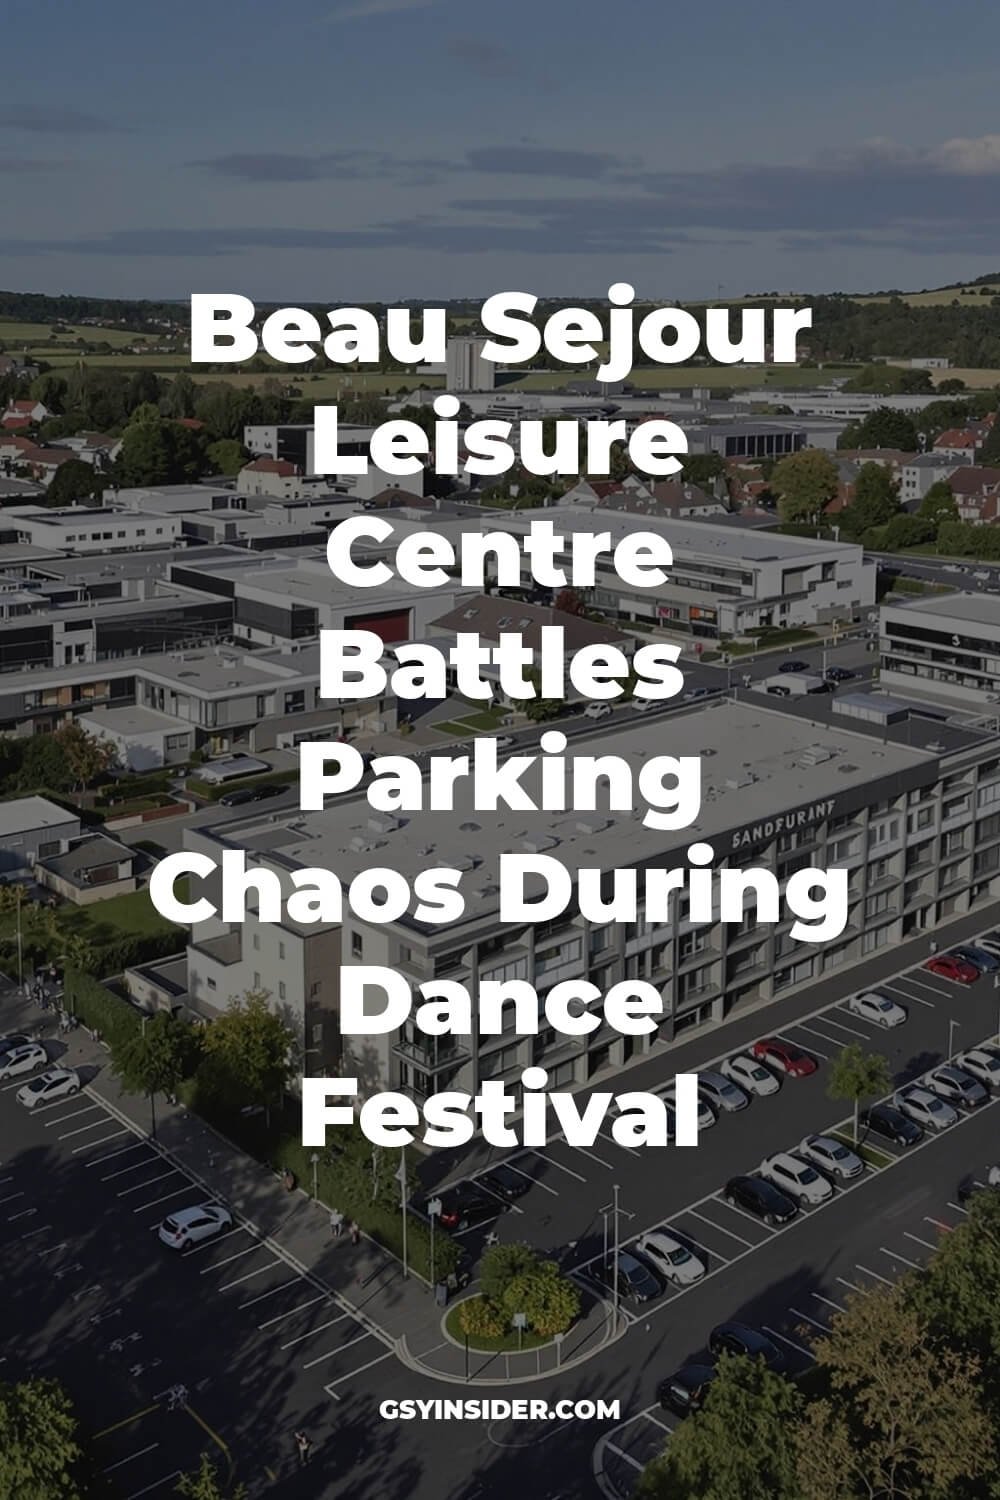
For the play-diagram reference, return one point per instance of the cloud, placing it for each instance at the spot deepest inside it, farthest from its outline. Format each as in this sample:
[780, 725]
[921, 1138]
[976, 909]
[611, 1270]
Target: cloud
[541, 161]
[362, 9]
[43, 120]
[358, 166]
[482, 55]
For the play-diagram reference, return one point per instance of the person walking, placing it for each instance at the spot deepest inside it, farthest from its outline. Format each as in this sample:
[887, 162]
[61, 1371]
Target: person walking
[336, 1223]
[355, 1232]
[303, 1445]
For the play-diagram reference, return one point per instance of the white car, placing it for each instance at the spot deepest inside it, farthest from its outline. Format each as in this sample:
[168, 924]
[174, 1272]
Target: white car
[706, 1114]
[23, 1060]
[721, 1093]
[871, 1006]
[928, 1109]
[672, 1259]
[799, 1179]
[957, 1087]
[831, 1155]
[189, 1226]
[983, 1065]
[750, 1074]
[597, 711]
[55, 1084]
[643, 705]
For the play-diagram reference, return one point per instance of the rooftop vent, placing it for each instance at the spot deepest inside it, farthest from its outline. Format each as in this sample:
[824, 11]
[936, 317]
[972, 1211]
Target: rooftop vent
[846, 768]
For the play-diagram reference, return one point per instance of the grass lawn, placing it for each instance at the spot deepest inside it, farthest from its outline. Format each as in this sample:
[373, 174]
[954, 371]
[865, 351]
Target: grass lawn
[506, 1343]
[484, 721]
[133, 914]
[868, 1154]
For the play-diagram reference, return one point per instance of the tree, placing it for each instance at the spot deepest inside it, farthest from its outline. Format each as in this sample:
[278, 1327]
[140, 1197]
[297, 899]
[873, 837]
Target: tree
[875, 498]
[205, 1484]
[702, 468]
[227, 456]
[143, 387]
[569, 602]
[951, 387]
[958, 1292]
[857, 1075]
[71, 482]
[549, 1300]
[805, 483]
[38, 1448]
[502, 1264]
[248, 1053]
[938, 505]
[902, 1421]
[179, 397]
[156, 1059]
[740, 1446]
[538, 709]
[882, 428]
[906, 531]
[87, 756]
[44, 766]
[144, 458]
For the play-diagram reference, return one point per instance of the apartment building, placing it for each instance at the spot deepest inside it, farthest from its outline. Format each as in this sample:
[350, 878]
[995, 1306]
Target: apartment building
[910, 807]
[948, 647]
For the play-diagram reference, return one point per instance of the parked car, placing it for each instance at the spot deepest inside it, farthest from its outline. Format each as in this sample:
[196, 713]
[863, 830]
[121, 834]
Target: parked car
[777, 691]
[983, 1065]
[55, 1084]
[505, 1181]
[798, 1178]
[643, 705]
[839, 674]
[672, 1259]
[926, 1108]
[831, 1155]
[761, 1198]
[871, 1005]
[245, 794]
[706, 1114]
[597, 711]
[14, 1039]
[23, 1060]
[749, 1074]
[190, 1226]
[785, 1056]
[721, 1093]
[466, 1205]
[685, 1391]
[740, 1338]
[794, 666]
[957, 1087]
[948, 967]
[891, 1124]
[980, 958]
[991, 942]
[635, 1280]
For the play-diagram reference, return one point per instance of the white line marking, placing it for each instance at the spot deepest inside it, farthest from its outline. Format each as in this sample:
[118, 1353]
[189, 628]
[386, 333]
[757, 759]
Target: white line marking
[89, 1145]
[157, 1483]
[301, 1308]
[799, 1348]
[124, 1192]
[351, 1373]
[914, 1265]
[874, 1274]
[264, 1295]
[827, 1301]
[155, 1201]
[124, 1171]
[823, 1327]
[339, 1350]
[112, 1154]
[227, 1285]
[916, 1238]
[552, 1162]
[299, 1339]
[132, 1456]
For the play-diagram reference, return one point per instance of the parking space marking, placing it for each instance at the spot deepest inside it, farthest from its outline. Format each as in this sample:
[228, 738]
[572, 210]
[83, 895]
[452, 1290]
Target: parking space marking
[530, 1151]
[537, 1181]
[360, 1369]
[957, 1207]
[219, 1265]
[874, 1274]
[112, 1154]
[141, 1453]
[807, 1319]
[915, 1265]
[291, 1313]
[157, 1484]
[155, 1201]
[88, 1109]
[897, 990]
[712, 1225]
[124, 1192]
[938, 1224]
[82, 1130]
[25, 1213]
[865, 1036]
[926, 1243]
[801, 1026]
[227, 1285]
[852, 1287]
[734, 1208]
[11, 1198]
[827, 1301]
[264, 1295]
[51, 1249]
[302, 1336]
[650, 1417]
[123, 1171]
[799, 1348]
[89, 1145]
[339, 1350]
[217, 1240]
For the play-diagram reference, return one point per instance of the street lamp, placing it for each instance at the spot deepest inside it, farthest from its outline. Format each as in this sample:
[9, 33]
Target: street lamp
[615, 1211]
[433, 1209]
[401, 1178]
[951, 1037]
[315, 1166]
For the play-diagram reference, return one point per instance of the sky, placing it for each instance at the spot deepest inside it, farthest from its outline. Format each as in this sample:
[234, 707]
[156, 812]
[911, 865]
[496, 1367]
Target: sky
[335, 151]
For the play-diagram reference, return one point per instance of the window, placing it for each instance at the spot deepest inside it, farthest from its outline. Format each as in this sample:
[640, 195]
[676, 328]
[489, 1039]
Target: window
[357, 945]
[281, 990]
[317, 1033]
[405, 954]
[256, 981]
[878, 905]
[211, 984]
[256, 942]
[315, 988]
[281, 950]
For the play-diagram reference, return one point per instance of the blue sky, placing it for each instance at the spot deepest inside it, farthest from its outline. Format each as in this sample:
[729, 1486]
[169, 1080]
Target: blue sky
[334, 150]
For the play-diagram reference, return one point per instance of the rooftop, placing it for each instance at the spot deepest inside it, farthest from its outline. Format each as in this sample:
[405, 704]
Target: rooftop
[971, 609]
[25, 814]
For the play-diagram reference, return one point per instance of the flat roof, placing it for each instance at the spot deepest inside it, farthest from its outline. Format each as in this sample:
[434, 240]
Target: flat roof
[25, 814]
[736, 791]
[686, 536]
[969, 609]
[135, 720]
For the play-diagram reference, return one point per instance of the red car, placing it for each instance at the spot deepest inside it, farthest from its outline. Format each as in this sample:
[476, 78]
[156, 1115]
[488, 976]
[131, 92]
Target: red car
[951, 967]
[782, 1055]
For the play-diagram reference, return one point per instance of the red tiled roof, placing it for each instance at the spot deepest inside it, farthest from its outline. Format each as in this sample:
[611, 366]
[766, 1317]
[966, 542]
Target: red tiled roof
[273, 466]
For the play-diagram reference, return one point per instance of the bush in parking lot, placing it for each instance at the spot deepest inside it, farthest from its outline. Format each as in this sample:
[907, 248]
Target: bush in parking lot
[481, 1318]
[502, 1264]
[549, 1300]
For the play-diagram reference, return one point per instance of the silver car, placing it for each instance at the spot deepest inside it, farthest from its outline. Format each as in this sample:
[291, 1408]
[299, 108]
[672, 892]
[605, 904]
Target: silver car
[721, 1093]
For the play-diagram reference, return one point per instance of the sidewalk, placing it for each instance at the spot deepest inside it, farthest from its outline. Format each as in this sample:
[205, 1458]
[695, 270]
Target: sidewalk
[365, 1280]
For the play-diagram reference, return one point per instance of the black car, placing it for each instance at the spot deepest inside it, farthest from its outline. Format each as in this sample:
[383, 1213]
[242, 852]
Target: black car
[979, 958]
[505, 1182]
[839, 674]
[794, 666]
[686, 1391]
[760, 1197]
[738, 1338]
[779, 691]
[635, 1279]
[466, 1205]
[891, 1124]
[245, 794]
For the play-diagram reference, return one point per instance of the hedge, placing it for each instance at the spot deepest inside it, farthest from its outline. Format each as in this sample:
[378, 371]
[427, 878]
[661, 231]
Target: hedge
[100, 1010]
[211, 793]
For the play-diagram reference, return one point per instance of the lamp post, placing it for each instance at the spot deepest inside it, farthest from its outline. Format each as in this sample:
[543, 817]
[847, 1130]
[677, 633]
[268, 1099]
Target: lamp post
[401, 1175]
[951, 1036]
[433, 1209]
[20, 955]
[616, 1211]
[315, 1166]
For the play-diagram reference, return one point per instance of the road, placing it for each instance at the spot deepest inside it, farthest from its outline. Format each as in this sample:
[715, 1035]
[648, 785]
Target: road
[260, 1350]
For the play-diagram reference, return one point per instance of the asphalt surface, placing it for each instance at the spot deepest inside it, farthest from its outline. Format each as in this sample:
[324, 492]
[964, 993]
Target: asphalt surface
[260, 1351]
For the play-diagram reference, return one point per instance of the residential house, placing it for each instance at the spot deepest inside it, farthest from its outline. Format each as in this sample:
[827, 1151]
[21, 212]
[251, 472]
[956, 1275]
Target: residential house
[920, 472]
[23, 413]
[965, 442]
[977, 493]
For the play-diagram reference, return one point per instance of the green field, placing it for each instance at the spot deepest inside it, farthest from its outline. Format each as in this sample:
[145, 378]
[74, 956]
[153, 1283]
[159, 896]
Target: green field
[38, 335]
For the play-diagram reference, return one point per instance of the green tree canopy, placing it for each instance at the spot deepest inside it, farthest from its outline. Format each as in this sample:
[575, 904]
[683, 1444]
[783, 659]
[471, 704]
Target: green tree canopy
[39, 1452]
[205, 1484]
[804, 483]
[73, 481]
[249, 1052]
[938, 505]
[882, 428]
[856, 1075]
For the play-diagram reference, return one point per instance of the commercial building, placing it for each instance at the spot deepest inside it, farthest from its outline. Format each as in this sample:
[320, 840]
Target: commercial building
[948, 647]
[82, 529]
[465, 367]
[909, 807]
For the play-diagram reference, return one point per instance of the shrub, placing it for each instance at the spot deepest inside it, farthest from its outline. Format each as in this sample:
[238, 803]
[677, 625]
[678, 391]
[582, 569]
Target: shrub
[100, 1010]
[481, 1318]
